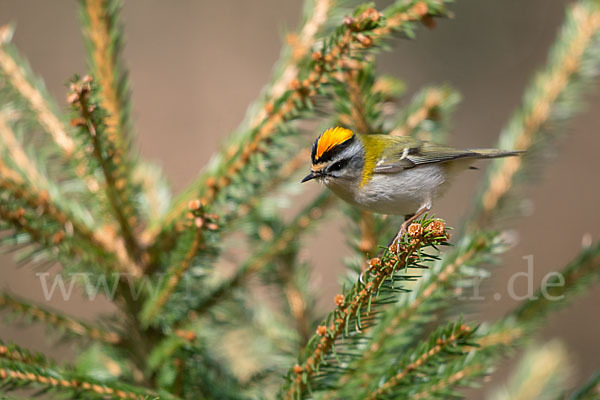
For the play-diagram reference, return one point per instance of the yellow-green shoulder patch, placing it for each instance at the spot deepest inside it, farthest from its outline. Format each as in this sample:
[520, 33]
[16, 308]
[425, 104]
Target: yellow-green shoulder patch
[374, 146]
[331, 138]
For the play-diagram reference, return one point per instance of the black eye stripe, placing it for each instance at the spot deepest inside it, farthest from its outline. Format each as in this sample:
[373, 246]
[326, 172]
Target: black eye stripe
[338, 165]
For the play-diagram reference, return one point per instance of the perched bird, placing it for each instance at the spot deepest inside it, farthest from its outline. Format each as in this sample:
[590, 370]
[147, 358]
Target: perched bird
[389, 174]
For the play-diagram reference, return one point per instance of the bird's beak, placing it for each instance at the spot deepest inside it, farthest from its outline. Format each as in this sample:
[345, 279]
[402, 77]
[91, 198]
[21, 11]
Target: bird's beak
[310, 176]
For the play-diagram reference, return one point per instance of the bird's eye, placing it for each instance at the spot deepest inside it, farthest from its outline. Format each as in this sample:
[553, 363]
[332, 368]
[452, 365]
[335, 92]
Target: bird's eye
[336, 166]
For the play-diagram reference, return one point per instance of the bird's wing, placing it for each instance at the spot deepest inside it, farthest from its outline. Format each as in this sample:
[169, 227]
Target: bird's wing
[406, 153]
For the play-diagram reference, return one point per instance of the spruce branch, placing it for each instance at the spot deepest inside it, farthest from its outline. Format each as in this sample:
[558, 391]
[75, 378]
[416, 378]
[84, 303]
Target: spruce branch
[14, 374]
[300, 44]
[16, 353]
[357, 33]
[355, 306]
[427, 115]
[11, 146]
[48, 238]
[280, 111]
[262, 257]
[104, 36]
[486, 347]
[358, 117]
[549, 101]
[174, 274]
[27, 183]
[541, 374]
[429, 291]
[91, 124]
[20, 78]
[443, 388]
[52, 211]
[581, 273]
[451, 337]
[521, 323]
[57, 320]
[15, 72]
[590, 390]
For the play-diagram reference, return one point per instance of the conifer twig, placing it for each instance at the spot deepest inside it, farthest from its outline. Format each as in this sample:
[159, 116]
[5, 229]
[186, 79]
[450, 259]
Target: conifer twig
[541, 374]
[36, 200]
[481, 352]
[15, 353]
[450, 381]
[458, 334]
[22, 80]
[580, 273]
[300, 44]
[103, 31]
[379, 270]
[425, 289]
[58, 320]
[44, 238]
[22, 84]
[589, 391]
[102, 149]
[425, 106]
[17, 154]
[357, 33]
[271, 249]
[177, 270]
[51, 378]
[577, 43]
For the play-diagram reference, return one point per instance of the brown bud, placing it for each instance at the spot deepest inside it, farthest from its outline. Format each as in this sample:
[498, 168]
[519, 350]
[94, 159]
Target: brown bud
[415, 230]
[321, 330]
[87, 79]
[194, 204]
[349, 21]
[58, 237]
[295, 84]
[44, 196]
[185, 334]
[72, 98]
[339, 300]
[374, 262]
[364, 40]
[211, 182]
[297, 369]
[317, 55]
[370, 14]
[437, 227]
[269, 107]
[421, 8]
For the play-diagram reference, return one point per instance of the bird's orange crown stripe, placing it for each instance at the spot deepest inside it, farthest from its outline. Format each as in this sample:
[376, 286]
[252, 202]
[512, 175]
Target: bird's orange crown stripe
[331, 138]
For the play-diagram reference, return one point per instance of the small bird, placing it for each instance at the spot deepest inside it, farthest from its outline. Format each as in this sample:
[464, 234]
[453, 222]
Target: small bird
[386, 174]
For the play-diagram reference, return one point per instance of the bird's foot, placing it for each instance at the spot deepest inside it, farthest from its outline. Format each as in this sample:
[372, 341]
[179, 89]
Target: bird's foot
[399, 236]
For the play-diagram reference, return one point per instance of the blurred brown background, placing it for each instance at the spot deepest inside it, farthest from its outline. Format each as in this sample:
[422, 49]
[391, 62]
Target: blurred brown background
[195, 67]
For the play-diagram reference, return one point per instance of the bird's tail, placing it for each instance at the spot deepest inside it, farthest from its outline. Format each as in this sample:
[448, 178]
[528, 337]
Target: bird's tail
[495, 153]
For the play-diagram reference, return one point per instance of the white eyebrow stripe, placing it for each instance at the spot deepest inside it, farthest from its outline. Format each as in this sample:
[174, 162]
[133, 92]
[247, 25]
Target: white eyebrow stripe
[405, 153]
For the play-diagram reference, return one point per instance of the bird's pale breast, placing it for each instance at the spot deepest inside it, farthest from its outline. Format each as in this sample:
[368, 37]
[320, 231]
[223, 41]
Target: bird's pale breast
[399, 193]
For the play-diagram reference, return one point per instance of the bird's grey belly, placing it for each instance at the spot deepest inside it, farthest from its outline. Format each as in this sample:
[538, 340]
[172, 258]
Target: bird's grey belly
[401, 193]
